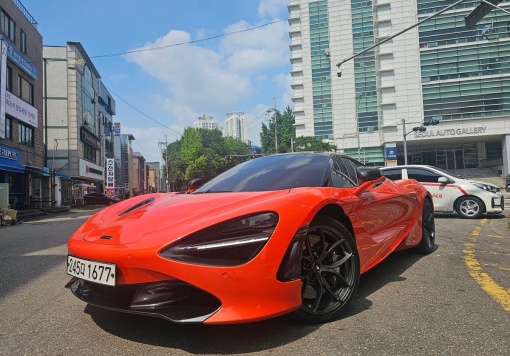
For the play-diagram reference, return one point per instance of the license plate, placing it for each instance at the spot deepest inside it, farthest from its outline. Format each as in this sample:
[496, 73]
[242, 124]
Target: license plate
[98, 272]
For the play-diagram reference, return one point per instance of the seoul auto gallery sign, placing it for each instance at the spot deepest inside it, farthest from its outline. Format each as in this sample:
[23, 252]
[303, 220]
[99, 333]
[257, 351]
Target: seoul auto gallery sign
[477, 130]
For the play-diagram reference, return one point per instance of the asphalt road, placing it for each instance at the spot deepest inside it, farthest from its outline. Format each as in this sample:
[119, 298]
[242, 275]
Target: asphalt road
[455, 301]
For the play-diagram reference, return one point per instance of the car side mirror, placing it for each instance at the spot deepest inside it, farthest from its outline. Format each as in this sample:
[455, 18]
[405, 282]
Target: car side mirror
[443, 180]
[366, 174]
[194, 184]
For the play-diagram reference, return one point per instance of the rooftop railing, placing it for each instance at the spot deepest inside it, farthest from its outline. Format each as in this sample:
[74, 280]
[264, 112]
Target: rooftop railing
[25, 12]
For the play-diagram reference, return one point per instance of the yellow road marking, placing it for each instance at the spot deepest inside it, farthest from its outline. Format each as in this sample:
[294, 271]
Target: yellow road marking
[499, 294]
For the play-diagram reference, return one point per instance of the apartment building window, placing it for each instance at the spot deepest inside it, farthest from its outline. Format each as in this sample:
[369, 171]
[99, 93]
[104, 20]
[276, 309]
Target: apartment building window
[8, 79]
[23, 41]
[89, 153]
[7, 26]
[8, 128]
[26, 135]
[26, 90]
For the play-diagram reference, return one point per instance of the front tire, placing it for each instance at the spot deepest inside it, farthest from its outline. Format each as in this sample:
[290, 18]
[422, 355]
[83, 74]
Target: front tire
[428, 229]
[330, 271]
[470, 207]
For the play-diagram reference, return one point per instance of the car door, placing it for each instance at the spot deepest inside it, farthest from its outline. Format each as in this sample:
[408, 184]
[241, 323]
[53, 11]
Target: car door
[441, 192]
[377, 219]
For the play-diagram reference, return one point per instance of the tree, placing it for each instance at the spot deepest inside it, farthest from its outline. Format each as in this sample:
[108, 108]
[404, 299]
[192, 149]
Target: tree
[286, 135]
[311, 143]
[200, 153]
[285, 132]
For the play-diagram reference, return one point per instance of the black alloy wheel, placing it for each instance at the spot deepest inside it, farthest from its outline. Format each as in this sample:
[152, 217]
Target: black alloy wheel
[428, 228]
[330, 271]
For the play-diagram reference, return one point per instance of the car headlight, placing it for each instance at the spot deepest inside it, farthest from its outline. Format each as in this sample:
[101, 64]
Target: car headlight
[487, 187]
[230, 243]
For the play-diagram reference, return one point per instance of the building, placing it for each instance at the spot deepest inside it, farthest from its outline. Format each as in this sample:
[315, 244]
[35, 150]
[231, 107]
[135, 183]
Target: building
[124, 172]
[78, 120]
[236, 125]
[24, 174]
[205, 122]
[372, 106]
[153, 177]
[139, 175]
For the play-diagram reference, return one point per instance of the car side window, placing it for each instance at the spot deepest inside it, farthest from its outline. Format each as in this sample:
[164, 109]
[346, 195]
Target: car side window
[422, 175]
[393, 174]
[340, 175]
[351, 169]
[339, 180]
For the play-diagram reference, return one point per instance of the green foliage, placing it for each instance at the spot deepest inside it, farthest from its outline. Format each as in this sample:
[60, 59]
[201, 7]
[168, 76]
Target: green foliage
[285, 132]
[311, 143]
[286, 136]
[200, 153]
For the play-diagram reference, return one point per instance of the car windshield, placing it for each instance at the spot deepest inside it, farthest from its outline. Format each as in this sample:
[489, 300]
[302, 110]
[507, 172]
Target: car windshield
[280, 171]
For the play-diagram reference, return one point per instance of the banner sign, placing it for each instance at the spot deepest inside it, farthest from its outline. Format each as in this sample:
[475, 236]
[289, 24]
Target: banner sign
[21, 110]
[3, 82]
[116, 128]
[110, 177]
[21, 60]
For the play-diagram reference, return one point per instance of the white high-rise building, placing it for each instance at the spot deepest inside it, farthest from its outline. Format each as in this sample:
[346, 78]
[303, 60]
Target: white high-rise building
[206, 122]
[438, 71]
[236, 125]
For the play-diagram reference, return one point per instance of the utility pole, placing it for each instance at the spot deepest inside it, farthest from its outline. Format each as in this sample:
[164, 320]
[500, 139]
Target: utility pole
[275, 128]
[357, 124]
[167, 175]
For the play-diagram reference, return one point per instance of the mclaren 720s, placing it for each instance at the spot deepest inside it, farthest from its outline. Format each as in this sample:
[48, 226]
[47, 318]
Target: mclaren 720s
[280, 234]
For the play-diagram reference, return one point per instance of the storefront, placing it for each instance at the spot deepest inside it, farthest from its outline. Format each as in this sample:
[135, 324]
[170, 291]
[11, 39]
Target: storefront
[13, 173]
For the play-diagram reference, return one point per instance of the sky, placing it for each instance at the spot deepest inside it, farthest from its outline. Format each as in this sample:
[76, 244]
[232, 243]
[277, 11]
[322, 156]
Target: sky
[168, 62]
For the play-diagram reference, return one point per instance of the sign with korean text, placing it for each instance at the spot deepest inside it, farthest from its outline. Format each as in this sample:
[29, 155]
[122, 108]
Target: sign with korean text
[21, 60]
[21, 110]
[110, 177]
[116, 128]
[3, 81]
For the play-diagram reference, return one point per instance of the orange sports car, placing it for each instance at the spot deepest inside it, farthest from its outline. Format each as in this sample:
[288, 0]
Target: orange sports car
[287, 233]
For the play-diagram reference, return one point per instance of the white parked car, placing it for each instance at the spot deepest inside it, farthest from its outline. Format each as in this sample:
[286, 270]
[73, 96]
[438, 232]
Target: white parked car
[468, 198]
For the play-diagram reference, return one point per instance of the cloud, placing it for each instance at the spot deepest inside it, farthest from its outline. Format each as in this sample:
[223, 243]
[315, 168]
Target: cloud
[148, 139]
[195, 76]
[235, 72]
[258, 49]
[272, 8]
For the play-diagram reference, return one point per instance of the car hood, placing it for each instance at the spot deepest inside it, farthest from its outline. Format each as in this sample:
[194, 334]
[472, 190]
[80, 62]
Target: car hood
[176, 215]
[485, 183]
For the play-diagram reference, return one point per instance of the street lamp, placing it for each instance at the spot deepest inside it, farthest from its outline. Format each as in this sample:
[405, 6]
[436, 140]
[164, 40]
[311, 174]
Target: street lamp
[275, 112]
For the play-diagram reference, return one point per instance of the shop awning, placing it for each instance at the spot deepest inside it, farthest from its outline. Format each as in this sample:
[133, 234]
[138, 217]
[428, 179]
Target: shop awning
[63, 176]
[13, 167]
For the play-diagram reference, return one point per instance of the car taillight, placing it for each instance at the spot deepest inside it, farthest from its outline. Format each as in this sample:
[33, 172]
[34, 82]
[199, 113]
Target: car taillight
[231, 243]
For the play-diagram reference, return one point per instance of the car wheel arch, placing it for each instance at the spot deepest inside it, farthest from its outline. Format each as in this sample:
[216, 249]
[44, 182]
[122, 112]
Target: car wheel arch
[336, 212]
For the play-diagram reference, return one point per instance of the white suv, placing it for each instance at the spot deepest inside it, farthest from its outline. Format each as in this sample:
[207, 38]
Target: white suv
[468, 198]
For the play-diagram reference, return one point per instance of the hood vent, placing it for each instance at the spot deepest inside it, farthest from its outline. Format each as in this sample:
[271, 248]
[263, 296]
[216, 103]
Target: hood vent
[136, 206]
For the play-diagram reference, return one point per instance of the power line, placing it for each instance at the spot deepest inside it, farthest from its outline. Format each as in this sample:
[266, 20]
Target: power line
[188, 42]
[147, 116]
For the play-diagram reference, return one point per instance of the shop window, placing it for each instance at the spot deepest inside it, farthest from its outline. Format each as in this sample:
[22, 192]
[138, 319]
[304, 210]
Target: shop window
[89, 153]
[8, 79]
[8, 128]
[26, 135]
[23, 41]
[7, 26]
[26, 90]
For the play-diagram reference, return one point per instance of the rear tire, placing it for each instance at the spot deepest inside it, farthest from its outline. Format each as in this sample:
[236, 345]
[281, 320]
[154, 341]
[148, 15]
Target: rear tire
[470, 207]
[330, 271]
[428, 229]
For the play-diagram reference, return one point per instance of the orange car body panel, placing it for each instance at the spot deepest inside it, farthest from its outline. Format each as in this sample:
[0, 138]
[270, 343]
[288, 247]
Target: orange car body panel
[385, 216]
